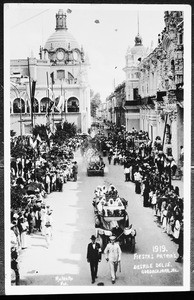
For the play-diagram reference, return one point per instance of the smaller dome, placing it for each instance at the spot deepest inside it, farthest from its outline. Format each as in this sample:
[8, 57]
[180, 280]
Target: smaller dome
[138, 50]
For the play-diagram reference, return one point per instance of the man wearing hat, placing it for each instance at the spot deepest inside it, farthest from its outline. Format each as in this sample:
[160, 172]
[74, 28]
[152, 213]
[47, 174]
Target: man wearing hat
[94, 253]
[75, 170]
[113, 255]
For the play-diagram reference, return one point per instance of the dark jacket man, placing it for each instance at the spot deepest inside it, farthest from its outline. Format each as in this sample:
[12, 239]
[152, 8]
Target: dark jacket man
[94, 257]
[75, 171]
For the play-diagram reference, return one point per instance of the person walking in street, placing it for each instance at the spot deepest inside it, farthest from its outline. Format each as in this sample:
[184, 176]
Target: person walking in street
[48, 228]
[14, 254]
[75, 171]
[94, 254]
[113, 255]
[109, 158]
[180, 245]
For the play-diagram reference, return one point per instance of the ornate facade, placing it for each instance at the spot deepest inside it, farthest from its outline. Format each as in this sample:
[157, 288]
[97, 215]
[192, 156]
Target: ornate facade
[161, 82]
[60, 73]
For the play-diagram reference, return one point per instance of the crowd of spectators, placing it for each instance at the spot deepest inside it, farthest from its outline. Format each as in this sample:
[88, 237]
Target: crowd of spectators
[152, 171]
[31, 182]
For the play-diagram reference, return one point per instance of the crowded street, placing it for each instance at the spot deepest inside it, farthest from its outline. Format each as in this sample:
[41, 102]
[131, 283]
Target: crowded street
[64, 262]
[96, 149]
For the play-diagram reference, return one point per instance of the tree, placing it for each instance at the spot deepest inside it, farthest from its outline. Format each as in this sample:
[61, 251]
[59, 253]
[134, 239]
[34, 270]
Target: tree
[95, 102]
[64, 132]
[18, 150]
[17, 199]
[41, 130]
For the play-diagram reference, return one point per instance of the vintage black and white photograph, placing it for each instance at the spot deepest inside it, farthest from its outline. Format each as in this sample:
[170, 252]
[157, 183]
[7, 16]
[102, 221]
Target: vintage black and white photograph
[97, 148]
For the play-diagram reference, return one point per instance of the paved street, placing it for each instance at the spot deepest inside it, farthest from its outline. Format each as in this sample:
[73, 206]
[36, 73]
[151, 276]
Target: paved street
[64, 263]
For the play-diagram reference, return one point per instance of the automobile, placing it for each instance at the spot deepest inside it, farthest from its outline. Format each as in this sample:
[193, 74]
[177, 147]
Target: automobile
[94, 169]
[95, 166]
[113, 219]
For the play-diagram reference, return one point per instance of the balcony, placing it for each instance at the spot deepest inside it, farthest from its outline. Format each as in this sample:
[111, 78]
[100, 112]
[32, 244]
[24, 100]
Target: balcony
[133, 103]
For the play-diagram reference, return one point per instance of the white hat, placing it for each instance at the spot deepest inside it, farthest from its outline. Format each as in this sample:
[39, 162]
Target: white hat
[112, 237]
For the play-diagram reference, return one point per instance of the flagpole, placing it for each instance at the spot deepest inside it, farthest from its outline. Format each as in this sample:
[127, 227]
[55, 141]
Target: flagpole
[30, 93]
[62, 107]
[53, 105]
[48, 116]
[34, 154]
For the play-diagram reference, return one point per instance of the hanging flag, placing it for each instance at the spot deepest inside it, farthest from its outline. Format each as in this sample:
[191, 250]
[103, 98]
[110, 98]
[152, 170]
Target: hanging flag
[33, 93]
[60, 105]
[53, 128]
[52, 78]
[27, 96]
[38, 138]
[70, 77]
[48, 132]
[33, 144]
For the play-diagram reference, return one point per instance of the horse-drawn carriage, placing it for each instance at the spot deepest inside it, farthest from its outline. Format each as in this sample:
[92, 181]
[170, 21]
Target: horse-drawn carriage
[111, 218]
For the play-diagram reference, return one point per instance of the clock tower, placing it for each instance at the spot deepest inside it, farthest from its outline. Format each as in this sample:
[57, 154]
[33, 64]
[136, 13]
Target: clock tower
[69, 66]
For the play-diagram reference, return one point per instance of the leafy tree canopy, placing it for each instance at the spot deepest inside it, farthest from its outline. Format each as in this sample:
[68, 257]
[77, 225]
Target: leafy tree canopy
[64, 132]
[95, 102]
[41, 130]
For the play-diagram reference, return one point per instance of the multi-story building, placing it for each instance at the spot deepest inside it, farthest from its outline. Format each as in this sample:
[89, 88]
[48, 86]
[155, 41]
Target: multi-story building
[133, 58]
[111, 104]
[119, 108]
[59, 75]
[161, 83]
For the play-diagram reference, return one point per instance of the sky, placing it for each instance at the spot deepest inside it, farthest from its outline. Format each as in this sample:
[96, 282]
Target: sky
[28, 26]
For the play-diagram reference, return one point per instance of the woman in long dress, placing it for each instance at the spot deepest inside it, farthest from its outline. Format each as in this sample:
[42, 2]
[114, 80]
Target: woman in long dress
[24, 229]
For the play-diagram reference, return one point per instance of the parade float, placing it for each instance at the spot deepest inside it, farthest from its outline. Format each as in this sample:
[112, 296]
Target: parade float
[111, 218]
[92, 157]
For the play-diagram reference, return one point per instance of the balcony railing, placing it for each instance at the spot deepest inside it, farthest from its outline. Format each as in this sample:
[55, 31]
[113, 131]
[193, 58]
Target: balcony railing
[132, 102]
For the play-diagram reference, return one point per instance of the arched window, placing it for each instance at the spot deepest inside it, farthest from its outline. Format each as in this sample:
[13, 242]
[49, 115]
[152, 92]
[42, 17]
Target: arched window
[18, 106]
[44, 104]
[73, 105]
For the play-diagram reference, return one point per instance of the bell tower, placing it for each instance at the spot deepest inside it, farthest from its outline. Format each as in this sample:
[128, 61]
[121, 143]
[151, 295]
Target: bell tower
[61, 20]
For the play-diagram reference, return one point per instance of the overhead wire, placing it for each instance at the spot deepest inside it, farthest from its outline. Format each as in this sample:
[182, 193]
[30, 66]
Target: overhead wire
[29, 18]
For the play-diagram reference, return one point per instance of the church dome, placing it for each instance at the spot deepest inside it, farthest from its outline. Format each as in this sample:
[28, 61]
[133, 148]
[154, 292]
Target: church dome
[138, 50]
[61, 38]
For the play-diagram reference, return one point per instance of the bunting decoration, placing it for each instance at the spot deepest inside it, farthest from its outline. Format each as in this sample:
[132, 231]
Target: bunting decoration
[33, 143]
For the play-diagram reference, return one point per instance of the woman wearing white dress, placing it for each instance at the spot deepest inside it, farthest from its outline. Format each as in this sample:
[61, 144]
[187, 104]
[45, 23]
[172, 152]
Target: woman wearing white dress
[48, 228]
[24, 229]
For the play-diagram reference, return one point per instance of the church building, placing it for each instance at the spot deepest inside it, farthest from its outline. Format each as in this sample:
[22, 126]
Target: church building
[58, 79]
